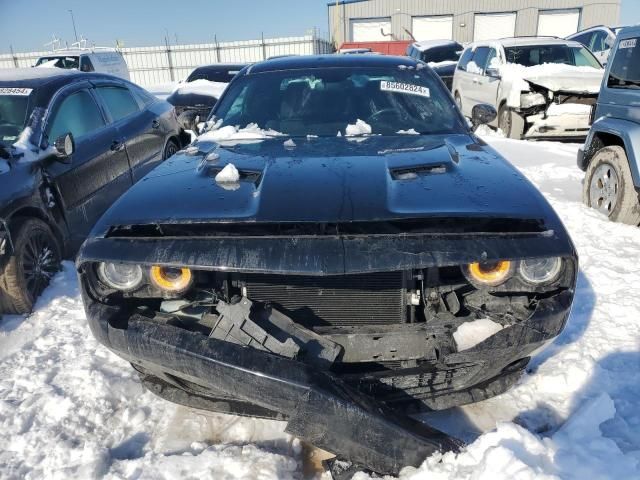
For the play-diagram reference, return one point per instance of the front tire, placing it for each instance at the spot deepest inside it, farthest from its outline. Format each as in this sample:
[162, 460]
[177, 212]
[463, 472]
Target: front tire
[35, 260]
[510, 122]
[608, 186]
[170, 149]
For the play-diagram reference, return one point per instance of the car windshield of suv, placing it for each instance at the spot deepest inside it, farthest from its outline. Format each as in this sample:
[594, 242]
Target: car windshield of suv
[14, 110]
[59, 62]
[441, 54]
[323, 102]
[215, 75]
[532, 55]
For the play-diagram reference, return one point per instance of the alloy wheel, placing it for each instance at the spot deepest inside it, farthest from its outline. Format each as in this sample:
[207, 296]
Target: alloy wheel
[604, 189]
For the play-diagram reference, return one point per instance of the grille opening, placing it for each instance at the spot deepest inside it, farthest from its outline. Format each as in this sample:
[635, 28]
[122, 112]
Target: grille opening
[335, 300]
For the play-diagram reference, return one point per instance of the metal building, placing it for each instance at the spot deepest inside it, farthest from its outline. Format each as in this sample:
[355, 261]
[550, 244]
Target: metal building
[464, 20]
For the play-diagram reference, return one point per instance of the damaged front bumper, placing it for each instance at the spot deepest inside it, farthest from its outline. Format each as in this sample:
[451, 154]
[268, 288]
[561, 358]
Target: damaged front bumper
[296, 345]
[557, 115]
[320, 407]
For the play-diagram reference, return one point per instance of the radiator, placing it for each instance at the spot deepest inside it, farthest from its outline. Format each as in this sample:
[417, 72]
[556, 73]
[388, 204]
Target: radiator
[336, 300]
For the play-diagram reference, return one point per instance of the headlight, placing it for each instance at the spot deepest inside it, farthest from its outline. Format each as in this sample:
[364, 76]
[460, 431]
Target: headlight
[490, 274]
[169, 279]
[539, 271]
[120, 276]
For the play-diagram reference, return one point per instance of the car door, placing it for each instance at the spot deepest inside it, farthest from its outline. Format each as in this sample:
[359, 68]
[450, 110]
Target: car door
[462, 81]
[489, 81]
[97, 173]
[137, 125]
[476, 69]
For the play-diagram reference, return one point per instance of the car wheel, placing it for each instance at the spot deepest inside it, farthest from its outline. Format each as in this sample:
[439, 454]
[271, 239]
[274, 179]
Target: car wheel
[608, 186]
[511, 124]
[35, 260]
[170, 149]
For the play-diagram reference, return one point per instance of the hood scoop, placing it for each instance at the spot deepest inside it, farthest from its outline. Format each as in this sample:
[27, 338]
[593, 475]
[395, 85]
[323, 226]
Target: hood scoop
[414, 172]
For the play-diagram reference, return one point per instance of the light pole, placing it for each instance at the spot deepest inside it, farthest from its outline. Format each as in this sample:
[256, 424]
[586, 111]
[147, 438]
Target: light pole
[74, 25]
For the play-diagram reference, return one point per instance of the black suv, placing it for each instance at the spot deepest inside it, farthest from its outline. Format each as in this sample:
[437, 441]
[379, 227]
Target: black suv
[70, 144]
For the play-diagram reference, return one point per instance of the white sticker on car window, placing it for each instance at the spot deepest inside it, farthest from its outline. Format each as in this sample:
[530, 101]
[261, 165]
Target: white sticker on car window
[23, 92]
[408, 88]
[631, 43]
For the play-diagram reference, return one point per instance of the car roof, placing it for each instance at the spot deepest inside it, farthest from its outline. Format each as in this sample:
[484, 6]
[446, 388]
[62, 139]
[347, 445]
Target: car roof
[220, 66]
[78, 51]
[427, 44]
[526, 41]
[629, 31]
[329, 61]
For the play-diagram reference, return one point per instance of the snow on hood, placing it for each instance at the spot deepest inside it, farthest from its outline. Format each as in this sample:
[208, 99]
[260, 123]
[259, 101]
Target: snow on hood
[201, 87]
[359, 128]
[445, 63]
[49, 64]
[232, 134]
[552, 76]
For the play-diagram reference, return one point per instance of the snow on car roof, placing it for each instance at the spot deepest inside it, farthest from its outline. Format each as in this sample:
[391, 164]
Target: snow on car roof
[523, 41]
[427, 44]
[17, 74]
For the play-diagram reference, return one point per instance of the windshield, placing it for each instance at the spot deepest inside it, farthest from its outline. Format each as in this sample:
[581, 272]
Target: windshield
[441, 54]
[59, 62]
[532, 55]
[323, 102]
[224, 75]
[14, 109]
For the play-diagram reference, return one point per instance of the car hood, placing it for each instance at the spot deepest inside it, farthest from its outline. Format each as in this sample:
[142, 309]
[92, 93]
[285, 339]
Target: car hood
[332, 180]
[582, 80]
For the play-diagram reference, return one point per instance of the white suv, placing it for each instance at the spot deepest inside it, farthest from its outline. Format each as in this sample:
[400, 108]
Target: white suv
[597, 39]
[542, 87]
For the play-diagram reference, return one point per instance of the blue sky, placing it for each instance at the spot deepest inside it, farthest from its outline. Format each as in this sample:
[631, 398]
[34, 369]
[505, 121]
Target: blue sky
[28, 24]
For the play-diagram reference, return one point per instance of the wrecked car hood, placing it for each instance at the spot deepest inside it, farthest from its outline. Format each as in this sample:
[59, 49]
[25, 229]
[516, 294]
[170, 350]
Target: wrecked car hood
[585, 80]
[332, 180]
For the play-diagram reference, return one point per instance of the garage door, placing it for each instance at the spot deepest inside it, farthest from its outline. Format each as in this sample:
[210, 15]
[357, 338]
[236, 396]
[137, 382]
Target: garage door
[494, 25]
[558, 23]
[432, 28]
[370, 30]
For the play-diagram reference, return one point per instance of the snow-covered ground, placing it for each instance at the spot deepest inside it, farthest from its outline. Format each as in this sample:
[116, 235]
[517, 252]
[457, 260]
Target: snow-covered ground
[71, 409]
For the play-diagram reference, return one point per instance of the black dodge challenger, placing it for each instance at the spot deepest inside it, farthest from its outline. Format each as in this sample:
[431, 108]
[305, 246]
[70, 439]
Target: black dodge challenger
[338, 250]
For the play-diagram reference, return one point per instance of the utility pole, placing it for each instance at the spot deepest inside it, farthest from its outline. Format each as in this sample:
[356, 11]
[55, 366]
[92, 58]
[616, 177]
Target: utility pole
[73, 21]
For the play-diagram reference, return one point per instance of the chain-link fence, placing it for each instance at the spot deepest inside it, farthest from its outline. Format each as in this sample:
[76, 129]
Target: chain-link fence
[169, 63]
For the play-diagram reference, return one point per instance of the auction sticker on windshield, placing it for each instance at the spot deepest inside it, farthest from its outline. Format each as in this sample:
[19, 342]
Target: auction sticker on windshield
[23, 92]
[407, 88]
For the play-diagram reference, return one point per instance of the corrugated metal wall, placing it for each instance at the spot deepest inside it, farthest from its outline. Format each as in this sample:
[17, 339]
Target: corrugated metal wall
[154, 65]
[593, 12]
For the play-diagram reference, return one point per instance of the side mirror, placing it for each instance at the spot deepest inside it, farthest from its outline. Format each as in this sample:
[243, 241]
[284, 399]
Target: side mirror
[492, 72]
[482, 114]
[64, 146]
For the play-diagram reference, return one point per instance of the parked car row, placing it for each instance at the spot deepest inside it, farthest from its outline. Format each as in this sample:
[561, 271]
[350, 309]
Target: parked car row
[70, 144]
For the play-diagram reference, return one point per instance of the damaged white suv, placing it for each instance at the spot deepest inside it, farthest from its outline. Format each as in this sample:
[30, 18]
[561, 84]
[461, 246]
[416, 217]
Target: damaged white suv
[542, 87]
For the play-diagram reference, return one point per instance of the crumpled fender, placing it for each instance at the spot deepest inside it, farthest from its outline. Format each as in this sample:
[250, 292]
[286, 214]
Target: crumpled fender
[628, 131]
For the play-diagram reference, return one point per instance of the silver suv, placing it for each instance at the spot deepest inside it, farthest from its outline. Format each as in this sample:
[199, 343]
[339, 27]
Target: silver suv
[542, 87]
[610, 154]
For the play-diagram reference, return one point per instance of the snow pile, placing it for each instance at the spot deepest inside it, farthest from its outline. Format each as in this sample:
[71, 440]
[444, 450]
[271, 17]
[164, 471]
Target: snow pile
[555, 77]
[556, 110]
[359, 128]
[233, 134]
[470, 334]
[229, 174]
[411, 131]
[69, 408]
[202, 87]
